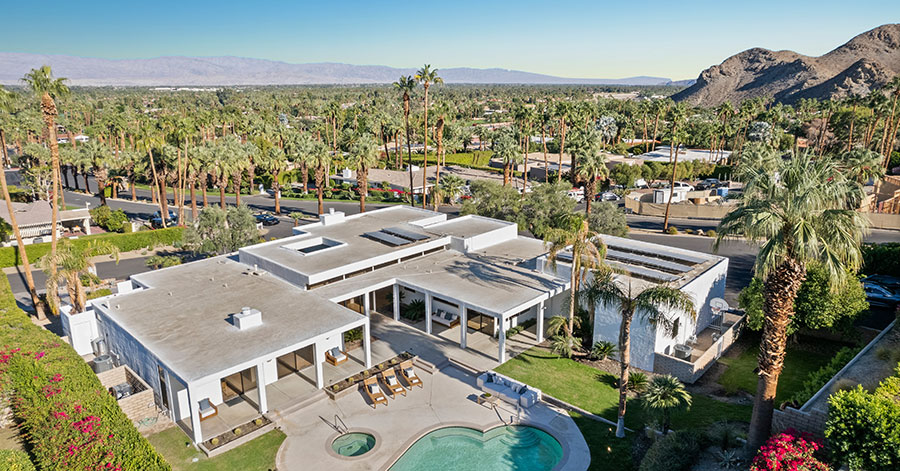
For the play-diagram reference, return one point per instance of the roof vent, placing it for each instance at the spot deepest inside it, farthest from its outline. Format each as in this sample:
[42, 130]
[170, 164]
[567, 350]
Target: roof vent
[247, 318]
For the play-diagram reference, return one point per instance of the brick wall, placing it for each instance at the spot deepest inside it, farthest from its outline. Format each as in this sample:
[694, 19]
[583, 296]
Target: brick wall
[139, 405]
[690, 372]
[812, 421]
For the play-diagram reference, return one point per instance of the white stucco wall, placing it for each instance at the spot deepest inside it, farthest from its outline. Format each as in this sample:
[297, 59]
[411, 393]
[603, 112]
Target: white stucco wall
[709, 284]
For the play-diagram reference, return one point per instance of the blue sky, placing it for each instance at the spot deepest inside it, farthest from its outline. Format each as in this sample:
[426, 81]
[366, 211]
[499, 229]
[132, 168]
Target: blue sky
[569, 38]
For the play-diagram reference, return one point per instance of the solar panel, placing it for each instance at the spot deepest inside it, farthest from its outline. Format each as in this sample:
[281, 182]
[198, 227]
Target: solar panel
[406, 234]
[638, 248]
[645, 273]
[388, 239]
[652, 262]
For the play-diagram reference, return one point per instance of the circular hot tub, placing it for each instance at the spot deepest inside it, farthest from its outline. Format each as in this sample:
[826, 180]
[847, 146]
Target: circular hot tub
[353, 444]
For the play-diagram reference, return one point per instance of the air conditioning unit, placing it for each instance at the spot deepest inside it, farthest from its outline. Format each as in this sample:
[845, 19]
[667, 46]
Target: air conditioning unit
[247, 318]
[98, 345]
[103, 363]
[682, 351]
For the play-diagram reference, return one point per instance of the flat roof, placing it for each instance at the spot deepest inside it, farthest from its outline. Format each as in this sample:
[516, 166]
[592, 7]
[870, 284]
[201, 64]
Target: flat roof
[656, 263]
[351, 233]
[490, 280]
[184, 317]
[467, 226]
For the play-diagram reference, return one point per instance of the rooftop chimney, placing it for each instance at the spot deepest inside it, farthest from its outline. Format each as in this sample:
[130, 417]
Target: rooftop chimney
[247, 318]
[331, 217]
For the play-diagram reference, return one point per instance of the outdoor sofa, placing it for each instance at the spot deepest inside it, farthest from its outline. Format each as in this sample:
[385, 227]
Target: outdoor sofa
[510, 390]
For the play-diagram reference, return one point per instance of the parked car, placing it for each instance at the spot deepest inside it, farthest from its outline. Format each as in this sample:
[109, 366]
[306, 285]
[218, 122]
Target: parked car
[172, 214]
[684, 186]
[607, 196]
[641, 183]
[156, 222]
[576, 194]
[892, 283]
[267, 219]
[710, 183]
[879, 296]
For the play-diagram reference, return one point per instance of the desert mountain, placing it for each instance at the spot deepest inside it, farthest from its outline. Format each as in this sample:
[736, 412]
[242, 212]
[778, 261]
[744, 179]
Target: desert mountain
[866, 62]
[209, 71]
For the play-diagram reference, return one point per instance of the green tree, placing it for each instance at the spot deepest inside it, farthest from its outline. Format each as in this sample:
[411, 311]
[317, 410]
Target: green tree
[506, 149]
[863, 429]
[664, 395]
[73, 262]
[363, 156]
[802, 213]
[426, 76]
[219, 232]
[587, 252]
[406, 85]
[450, 187]
[607, 218]
[585, 148]
[819, 305]
[654, 304]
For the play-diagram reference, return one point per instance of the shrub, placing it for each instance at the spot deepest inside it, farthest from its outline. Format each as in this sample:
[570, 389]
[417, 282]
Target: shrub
[881, 258]
[15, 460]
[9, 256]
[602, 350]
[789, 451]
[637, 382]
[353, 335]
[65, 416]
[688, 231]
[414, 311]
[672, 230]
[863, 429]
[163, 261]
[724, 435]
[711, 233]
[109, 220]
[676, 451]
[99, 293]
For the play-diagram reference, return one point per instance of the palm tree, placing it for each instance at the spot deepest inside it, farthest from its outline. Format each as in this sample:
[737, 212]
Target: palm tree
[803, 212]
[451, 186]
[666, 394]
[98, 157]
[318, 157]
[74, 261]
[506, 149]
[585, 146]
[149, 140]
[678, 115]
[276, 163]
[562, 111]
[6, 106]
[407, 85]
[363, 156]
[652, 304]
[862, 165]
[426, 76]
[42, 83]
[587, 251]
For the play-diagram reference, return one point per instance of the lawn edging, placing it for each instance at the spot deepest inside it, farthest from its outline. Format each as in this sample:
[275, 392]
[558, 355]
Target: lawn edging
[573, 408]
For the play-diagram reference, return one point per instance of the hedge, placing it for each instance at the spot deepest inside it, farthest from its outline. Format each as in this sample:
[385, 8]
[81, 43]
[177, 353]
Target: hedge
[9, 256]
[66, 417]
[820, 377]
[863, 429]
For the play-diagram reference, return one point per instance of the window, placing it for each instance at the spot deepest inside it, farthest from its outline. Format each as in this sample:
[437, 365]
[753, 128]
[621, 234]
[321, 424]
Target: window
[675, 327]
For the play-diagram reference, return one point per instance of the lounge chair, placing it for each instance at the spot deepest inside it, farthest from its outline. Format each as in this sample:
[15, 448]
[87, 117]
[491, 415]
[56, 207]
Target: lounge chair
[207, 410]
[389, 378]
[335, 356]
[373, 390]
[409, 374]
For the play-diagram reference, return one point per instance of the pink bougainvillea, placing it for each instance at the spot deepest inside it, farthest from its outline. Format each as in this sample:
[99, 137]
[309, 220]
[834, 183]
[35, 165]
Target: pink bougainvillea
[789, 451]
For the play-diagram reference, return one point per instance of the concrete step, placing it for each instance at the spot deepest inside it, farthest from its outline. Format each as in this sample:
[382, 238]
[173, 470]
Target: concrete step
[277, 414]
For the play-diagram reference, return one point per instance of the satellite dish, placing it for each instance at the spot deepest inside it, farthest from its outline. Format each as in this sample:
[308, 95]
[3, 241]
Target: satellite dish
[718, 305]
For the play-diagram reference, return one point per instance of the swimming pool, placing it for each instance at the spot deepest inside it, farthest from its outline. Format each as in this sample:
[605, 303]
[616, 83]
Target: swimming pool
[504, 448]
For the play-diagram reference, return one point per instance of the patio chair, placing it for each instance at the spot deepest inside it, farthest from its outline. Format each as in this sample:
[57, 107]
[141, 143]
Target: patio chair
[409, 374]
[335, 356]
[207, 410]
[394, 387]
[373, 390]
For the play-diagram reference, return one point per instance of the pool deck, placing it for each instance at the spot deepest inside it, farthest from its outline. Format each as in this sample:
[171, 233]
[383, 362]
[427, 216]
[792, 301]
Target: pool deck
[448, 398]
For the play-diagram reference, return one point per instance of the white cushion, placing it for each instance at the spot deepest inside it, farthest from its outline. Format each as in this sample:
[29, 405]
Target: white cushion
[409, 373]
[392, 380]
[374, 389]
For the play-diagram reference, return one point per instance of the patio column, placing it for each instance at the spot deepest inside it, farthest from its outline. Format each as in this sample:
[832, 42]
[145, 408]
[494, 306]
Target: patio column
[367, 344]
[193, 404]
[501, 337]
[427, 312]
[366, 308]
[463, 324]
[539, 332]
[263, 401]
[396, 302]
[317, 359]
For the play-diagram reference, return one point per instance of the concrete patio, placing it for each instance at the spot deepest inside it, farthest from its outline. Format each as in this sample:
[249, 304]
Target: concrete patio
[449, 398]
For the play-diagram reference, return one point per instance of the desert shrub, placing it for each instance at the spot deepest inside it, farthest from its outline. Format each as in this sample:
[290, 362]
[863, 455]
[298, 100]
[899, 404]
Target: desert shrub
[125, 242]
[65, 416]
[353, 335]
[637, 382]
[109, 220]
[163, 261]
[602, 350]
[414, 311]
[15, 460]
[789, 450]
[672, 230]
[724, 435]
[99, 293]
[711, 233]
[676, 451]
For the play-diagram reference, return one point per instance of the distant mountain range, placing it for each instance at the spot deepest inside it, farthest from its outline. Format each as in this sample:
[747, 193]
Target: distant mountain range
[864, 63]
[211, 71]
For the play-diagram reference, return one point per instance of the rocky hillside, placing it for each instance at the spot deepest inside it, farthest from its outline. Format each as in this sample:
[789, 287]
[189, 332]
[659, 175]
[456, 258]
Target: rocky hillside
[866, 62]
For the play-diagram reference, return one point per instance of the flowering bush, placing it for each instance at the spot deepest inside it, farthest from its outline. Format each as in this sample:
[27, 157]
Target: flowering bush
[68, 419]
[789, 451]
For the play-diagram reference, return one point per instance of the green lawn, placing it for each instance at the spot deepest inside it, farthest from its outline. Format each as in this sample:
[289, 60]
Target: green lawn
[607, 451]
[256, 455]
[798, 364]
[594, 390]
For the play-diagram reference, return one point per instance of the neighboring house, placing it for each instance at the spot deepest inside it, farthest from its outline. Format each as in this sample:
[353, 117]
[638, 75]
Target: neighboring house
[34, 220]
[240, 330]
[397, 180]
[694, 344]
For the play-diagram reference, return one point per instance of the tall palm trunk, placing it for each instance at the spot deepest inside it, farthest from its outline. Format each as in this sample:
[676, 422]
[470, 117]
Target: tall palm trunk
[23, 254]
[48, 109]
[320, 176]
[852, 122]
[362, 181]
[157, 184]
[193, 184]
[562, 146]
[408, 148]
[546, 163]
[780, 291]
[305, 177]
[624, 362]
[671, 182]
[222, 184]
[425, 153]
[439, 136]
[237, 187]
